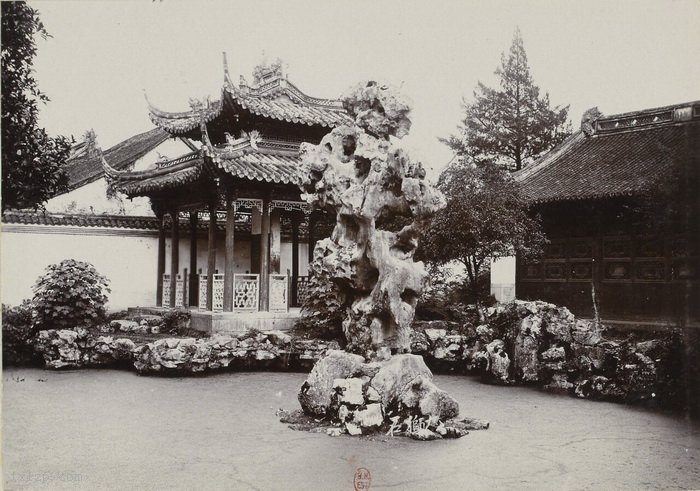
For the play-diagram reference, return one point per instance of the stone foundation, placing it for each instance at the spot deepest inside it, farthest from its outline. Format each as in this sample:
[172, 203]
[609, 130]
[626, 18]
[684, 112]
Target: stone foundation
[239, 322]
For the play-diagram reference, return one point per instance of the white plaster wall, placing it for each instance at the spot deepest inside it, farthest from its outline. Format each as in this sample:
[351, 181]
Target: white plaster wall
[241, 256]
[127, 258]
[128, 261]
[503, 279]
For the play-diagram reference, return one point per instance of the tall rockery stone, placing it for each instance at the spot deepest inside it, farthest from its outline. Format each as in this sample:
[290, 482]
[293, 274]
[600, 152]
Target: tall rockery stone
[379, 194]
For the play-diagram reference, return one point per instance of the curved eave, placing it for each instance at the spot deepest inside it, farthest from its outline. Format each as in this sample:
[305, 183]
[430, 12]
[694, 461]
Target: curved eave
[160, 183]
[144, 182]
[258, 166]
[180, 123]
[315, 116]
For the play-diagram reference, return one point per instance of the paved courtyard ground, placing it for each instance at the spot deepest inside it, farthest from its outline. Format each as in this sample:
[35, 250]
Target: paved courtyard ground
[104, 429]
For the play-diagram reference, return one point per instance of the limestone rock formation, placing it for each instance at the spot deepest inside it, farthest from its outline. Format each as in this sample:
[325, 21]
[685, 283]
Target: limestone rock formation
[362, 174]
[80, 348]
[396, 396]
[315, 394]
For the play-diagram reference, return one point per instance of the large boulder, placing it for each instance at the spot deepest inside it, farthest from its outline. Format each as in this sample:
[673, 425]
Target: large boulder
[315, 394]
[396, 374]
[422, 394]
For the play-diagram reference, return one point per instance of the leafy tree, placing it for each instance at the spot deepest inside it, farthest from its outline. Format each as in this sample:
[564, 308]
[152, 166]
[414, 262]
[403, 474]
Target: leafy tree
[514, 124]
[485, 217]
[31, 160]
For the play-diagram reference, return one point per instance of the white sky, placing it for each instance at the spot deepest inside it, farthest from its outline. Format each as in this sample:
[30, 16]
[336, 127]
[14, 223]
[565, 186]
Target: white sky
[619, 56]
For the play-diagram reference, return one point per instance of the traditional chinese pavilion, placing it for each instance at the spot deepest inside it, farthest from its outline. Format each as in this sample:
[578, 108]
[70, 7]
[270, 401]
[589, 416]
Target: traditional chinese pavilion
[243, 173]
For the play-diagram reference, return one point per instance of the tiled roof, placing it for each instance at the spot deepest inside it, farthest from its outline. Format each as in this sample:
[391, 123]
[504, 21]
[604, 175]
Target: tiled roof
[79, 220]
[289, 110]
[147, 223]
[272, 161]
[85, 165]
[158, 182]
[255, 165]
[179, 123]
[276, 98]
[620, 156]
[171, 174]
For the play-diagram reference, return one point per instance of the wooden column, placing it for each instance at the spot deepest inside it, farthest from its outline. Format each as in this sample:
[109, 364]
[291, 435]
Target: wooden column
[229, 264]
[295, 257]
[265, 256]
[211, 258]
[255, 228]
[174, 254]
[161, 259]
[194, 280]
[310, 233]
[275, 240]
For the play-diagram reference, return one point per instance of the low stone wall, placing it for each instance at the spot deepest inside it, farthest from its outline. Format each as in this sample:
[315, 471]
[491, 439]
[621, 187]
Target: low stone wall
[77, 348]
[80, 348]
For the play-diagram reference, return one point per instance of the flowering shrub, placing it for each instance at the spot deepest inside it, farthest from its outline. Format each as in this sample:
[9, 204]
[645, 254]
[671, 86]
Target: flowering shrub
[70, 294]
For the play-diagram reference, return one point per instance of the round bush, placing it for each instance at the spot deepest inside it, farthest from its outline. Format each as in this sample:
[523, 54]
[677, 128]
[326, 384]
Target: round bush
[70, 294]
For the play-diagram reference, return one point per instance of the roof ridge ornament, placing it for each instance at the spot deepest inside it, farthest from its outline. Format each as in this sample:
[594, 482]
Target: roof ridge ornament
[200, 105]
[226, 73]
[588, 120]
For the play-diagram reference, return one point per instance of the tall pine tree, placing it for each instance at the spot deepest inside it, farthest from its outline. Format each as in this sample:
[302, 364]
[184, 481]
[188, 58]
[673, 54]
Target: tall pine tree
[514, 124]
[31, 160]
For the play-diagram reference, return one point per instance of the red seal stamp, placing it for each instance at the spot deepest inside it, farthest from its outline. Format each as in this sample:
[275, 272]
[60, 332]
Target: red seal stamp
[362, 479]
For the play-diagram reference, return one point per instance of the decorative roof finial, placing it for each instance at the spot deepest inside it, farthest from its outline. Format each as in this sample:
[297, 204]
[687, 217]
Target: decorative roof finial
[588, 121]
[148, 101]
[226, 74]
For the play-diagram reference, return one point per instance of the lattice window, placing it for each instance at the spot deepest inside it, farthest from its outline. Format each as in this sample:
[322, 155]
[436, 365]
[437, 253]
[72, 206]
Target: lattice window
[291, 205]
[686, 269]
[166, 290]
[614, 248]
[555, 270]
[249, 203]
[650, 270]
[203, 280]
[581, 270]
[618, 270]
[246, 292]
[279, 293]
[179, 291]
[302, 289]
[218, 293]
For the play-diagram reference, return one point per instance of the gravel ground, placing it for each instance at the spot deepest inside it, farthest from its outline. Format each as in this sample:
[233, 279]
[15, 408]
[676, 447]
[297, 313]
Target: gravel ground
[107, 429]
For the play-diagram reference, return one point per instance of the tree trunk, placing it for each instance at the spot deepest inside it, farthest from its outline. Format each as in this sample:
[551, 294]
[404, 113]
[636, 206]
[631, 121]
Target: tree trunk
[473, 275]
[475, 292]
